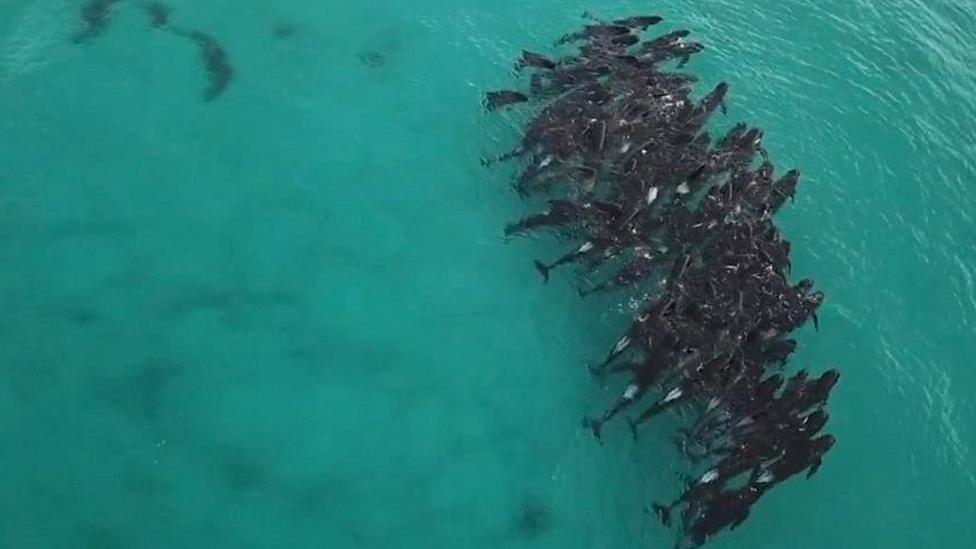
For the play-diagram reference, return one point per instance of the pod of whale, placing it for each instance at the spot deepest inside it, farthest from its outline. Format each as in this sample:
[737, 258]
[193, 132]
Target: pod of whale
[682, 223]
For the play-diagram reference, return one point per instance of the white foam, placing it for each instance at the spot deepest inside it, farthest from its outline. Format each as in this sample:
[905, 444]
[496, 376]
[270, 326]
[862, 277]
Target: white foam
[651, 195]
[709, 476]
[674, 394]
[622, 344]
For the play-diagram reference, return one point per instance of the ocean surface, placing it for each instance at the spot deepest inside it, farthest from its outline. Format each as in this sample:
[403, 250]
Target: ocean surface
[286, 318]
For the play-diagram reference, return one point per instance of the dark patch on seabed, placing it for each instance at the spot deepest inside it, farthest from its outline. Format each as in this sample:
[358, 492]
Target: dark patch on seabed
[97, 14]
[372, 59]
[532, 519]
[240, 471]
[140, 393]
[98, 536]
[95, 18]
[220, 73]
[281, 30]
[158, 14]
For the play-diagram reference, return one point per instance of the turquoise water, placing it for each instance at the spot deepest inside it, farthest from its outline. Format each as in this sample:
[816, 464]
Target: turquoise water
[285, 318]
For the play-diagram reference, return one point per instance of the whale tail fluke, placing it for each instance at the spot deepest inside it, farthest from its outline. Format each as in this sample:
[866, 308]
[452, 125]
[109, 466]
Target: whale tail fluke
[543, 270]
[633, 428]
[595, 426]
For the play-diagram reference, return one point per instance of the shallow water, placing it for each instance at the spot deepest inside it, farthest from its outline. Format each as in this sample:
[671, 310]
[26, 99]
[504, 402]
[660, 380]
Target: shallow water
[285, 318]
